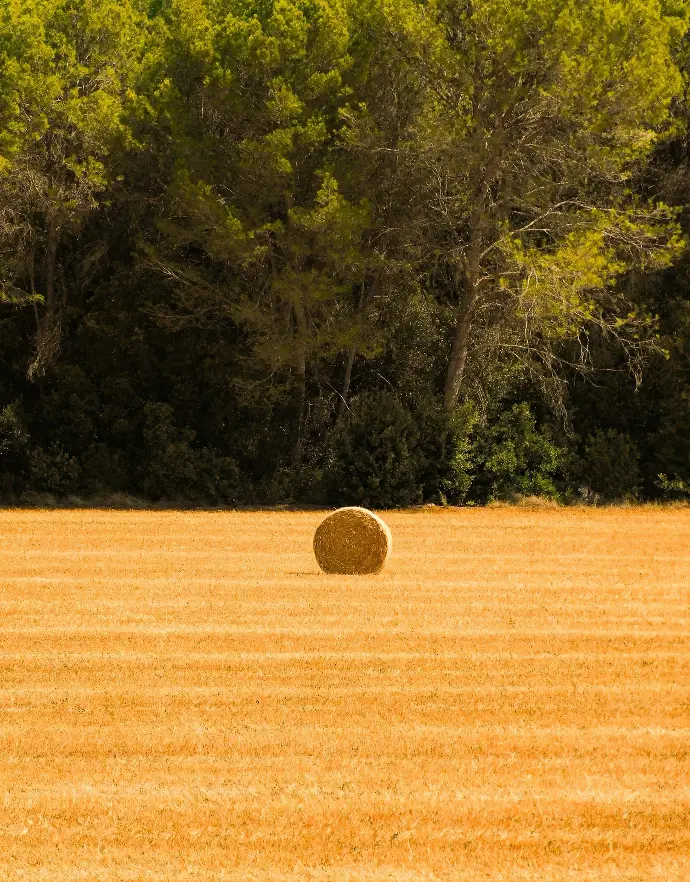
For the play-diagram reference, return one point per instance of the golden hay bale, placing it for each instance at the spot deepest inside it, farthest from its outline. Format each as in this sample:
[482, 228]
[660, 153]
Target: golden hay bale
[352, 541]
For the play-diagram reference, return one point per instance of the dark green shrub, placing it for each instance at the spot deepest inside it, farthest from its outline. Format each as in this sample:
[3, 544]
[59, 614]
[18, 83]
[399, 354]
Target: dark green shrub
[13, 435]
[14, 441]
[673, 489]
[53, 471]
[610, 466]
[219, 480]
[371, 455]
[68, 412]
[517, 458]
[176, 471]
[447, 446]
[104, 470]
[385, 455]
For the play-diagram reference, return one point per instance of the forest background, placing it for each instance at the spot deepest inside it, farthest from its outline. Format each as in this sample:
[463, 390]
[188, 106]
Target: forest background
[379, 252]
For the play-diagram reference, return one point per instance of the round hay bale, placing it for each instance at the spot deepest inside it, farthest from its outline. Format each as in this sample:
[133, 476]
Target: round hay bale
[352, 541]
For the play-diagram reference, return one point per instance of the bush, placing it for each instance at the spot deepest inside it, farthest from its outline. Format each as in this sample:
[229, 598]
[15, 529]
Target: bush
[609, 466]
[673, 489]
[518, 459]
[384, 455]
[448, 445]
[14, 441]
[174, 470]
[105, 470]
[53, 471]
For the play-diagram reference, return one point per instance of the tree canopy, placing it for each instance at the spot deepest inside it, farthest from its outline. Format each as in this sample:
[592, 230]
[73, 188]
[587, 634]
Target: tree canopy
[344, 250]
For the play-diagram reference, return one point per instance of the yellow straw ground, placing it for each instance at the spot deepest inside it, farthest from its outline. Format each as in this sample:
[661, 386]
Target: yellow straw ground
[183, 696]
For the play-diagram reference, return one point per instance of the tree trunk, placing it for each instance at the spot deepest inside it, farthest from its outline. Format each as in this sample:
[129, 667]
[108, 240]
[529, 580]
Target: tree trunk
[32, 280]
[48, 333]
[467, 284]
[50, 272]
[301, 365]
[458, 355]
[346, 381]
[351, 355]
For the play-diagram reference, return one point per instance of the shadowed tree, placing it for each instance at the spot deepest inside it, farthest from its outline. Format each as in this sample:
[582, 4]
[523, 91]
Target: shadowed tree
[256, 229]
[65, 71]
[521, 216]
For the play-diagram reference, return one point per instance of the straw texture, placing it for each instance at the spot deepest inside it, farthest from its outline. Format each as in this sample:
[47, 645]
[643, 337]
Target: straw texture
[352, 541]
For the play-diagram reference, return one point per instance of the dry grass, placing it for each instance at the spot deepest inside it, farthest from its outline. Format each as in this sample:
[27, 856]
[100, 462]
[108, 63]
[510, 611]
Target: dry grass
[184, 697]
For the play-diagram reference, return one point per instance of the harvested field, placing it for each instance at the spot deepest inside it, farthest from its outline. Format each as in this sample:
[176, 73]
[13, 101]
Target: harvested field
[183, 696]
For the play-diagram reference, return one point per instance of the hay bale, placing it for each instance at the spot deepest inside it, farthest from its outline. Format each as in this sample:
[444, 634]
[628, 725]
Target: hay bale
[352, 541]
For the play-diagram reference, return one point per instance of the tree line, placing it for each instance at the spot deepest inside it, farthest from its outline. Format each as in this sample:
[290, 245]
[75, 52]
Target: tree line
[371, 251]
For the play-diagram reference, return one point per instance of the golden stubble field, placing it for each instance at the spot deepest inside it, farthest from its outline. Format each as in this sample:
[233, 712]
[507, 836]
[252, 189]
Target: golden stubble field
[184, 697]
